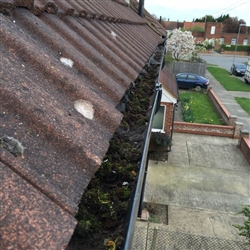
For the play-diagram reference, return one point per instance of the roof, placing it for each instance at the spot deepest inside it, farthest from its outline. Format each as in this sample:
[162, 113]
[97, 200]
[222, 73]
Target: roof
[168, 81]
[64, 68]
[171, 25]
[151, 21]
[190, 25]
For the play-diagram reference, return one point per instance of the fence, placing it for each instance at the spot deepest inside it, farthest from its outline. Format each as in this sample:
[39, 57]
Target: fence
[164, 239]
[196, 68]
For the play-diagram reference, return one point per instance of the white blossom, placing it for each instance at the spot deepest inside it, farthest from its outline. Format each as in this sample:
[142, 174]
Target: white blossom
[181, 44]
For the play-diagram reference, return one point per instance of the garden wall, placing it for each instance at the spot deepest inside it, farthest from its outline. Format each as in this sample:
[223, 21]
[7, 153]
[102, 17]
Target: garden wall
[196, 68]
[244, 145]
[231, 129]
[204, 129]
[220, 108]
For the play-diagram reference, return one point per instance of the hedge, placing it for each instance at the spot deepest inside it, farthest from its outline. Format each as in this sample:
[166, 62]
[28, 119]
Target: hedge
[231, 47]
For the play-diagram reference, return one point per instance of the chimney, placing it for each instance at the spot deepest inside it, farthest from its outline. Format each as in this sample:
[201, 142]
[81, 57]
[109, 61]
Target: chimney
[160, 20]
[141, 8]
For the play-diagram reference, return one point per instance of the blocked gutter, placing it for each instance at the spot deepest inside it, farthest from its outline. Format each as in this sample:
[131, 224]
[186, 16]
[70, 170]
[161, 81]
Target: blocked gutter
[142, 174]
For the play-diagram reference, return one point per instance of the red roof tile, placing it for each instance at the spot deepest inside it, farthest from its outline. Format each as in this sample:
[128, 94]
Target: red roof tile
[64, 67]
[171, 25]
[154, 24]
[190, 25]
[167, 78]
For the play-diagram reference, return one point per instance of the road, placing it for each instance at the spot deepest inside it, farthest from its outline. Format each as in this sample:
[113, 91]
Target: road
[224, 61]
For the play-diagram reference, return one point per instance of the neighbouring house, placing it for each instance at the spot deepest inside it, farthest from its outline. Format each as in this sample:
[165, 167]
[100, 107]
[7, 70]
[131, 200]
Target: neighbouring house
[164, 118]
[213, 30]
[65, 67]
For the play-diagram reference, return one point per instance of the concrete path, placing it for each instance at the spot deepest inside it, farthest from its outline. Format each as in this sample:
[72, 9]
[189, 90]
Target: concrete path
[203, 183]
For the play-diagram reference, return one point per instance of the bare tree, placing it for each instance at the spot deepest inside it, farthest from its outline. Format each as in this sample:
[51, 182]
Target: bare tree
[231, 25]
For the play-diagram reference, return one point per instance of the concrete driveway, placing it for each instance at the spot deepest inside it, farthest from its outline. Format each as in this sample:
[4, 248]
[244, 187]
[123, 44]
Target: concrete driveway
[203, 183]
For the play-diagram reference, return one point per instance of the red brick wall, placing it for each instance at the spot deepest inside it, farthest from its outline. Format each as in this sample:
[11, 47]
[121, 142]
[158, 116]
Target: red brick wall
[244, 145]
[168, 117]
[219, 107]
[204, 129]
[228, 37]
[218, 34]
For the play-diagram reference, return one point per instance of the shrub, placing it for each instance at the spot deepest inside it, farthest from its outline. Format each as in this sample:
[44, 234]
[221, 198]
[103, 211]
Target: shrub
[245, 229]
[230, 47]
[162, 139]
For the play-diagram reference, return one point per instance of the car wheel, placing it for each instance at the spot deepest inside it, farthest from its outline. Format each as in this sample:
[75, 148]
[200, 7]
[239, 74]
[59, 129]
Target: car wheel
[197, 88]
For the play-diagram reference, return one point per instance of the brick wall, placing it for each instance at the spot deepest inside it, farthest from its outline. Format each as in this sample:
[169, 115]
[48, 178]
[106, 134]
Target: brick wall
[204, 129]
[168, 117]
[244, 145]
[218, 34]
[231, 129]
[219, 107]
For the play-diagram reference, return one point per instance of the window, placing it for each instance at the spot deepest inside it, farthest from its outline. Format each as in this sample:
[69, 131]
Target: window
[245, 41]
[233, 41]
[182, 76]
[221, 40]
[212, 30]
[190, 77]
[159, 118]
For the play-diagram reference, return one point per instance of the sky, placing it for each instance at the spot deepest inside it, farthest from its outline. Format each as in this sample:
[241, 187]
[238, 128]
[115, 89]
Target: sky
[187, 10]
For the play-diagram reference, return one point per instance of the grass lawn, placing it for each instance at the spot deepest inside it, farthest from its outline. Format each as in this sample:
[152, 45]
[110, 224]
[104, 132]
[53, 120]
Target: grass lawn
[229, 82]
[196, 108]
[244, 103]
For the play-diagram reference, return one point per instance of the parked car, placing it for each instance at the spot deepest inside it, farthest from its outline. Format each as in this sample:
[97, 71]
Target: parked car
[190, 81]
[238, 69]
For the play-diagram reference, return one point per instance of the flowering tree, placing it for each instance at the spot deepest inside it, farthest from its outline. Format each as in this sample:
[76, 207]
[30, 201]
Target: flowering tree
[210, 43]
[181, 44]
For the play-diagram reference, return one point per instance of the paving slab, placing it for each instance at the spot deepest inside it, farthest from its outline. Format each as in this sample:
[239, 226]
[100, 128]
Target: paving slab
[197, 187]
[206, 223]
[204, 182]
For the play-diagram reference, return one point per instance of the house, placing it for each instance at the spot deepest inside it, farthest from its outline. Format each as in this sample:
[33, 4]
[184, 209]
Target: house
[163, 120]
[213, 30]
[65, 66]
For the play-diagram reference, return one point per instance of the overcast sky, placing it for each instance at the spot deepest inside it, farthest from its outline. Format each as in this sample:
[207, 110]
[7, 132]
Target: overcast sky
[188, 9]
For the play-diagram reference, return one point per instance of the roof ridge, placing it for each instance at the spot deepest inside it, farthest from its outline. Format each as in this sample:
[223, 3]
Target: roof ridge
[37, 7]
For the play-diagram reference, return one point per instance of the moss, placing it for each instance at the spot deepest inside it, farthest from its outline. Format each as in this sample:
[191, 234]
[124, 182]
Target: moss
[104, 203]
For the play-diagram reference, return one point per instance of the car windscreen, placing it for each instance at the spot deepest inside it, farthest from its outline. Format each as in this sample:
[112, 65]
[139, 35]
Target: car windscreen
[241, 66]
[203, 78]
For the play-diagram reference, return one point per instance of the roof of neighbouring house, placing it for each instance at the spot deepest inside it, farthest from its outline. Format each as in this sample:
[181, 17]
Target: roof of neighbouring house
[168, 80]
[64, 67]
[190, 25]
[171, 25]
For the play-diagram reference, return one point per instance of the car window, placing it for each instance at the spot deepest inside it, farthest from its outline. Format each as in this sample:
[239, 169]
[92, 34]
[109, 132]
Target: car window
[241, 66]
[191, 77]
[182, 76]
